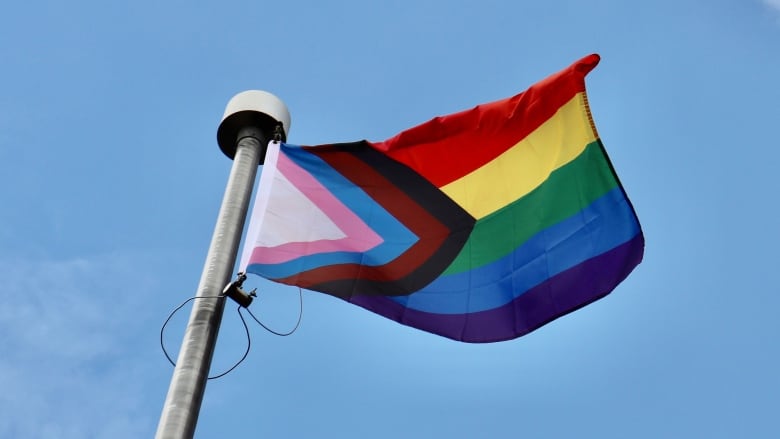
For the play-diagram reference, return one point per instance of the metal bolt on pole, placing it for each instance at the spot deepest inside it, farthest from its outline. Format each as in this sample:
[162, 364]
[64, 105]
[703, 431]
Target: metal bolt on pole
[246, 127]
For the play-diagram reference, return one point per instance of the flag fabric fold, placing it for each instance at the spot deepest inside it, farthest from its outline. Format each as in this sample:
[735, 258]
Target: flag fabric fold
[479, 226]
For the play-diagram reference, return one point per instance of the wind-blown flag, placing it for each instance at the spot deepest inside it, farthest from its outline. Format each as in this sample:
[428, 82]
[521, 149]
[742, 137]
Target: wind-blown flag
[479, 226]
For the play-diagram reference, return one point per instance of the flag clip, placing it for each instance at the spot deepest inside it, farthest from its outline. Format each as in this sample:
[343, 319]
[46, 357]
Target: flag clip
[278, 132]
[234, 291]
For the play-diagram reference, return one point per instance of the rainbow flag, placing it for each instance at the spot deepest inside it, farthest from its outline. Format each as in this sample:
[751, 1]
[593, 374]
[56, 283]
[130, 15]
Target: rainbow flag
[479, 226]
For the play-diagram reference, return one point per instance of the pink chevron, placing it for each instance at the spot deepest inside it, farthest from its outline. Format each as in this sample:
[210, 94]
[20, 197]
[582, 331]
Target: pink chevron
[359, 237]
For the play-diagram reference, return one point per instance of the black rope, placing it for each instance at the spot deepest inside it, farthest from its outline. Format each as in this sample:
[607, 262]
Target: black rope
[162, 329]
[243, 322]
[281, 334]
[246, 352]
[246, 329]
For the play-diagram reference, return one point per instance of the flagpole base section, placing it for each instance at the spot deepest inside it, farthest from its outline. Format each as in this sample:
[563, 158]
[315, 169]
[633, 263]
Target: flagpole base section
[254, 108]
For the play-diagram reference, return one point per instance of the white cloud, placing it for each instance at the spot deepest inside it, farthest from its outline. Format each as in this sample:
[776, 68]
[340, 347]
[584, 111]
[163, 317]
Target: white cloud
[774, 4]
[79, 348]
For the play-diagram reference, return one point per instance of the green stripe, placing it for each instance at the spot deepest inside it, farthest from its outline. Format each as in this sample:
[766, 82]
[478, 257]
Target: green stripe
[567, 191]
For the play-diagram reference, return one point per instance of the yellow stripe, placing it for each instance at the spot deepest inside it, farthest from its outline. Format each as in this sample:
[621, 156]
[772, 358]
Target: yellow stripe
[525, 166]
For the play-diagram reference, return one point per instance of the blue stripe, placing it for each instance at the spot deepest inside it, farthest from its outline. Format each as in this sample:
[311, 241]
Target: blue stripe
[396, 237]
[605, 224]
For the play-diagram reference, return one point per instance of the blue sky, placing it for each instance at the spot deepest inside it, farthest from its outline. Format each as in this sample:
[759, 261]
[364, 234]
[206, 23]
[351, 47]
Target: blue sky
[111, 181]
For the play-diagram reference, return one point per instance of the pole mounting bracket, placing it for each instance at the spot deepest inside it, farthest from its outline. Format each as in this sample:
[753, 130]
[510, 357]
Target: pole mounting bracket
[234, 291]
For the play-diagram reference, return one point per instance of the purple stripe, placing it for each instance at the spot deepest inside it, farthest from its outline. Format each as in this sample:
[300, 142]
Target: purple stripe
[559, 295]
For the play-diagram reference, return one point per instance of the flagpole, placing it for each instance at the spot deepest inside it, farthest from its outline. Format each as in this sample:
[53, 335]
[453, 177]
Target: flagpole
[249, 122]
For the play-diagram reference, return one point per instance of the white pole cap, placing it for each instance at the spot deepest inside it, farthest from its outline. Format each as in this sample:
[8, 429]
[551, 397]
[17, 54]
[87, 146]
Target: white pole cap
[251, 108]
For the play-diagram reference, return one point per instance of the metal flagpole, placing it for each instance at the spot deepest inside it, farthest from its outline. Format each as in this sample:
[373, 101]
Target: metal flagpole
[250, 120]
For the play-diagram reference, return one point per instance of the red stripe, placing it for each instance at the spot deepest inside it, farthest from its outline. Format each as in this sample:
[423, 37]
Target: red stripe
[449, 147]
